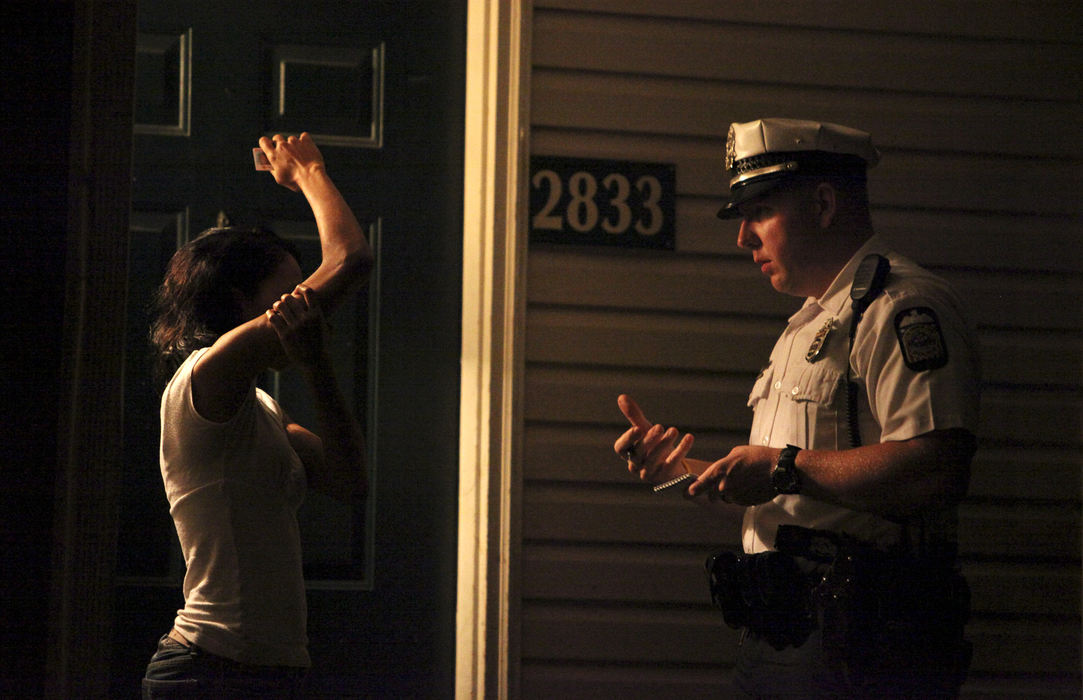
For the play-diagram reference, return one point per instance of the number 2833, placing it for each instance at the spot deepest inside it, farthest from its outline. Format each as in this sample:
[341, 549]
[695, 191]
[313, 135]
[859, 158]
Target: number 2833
[616, 204]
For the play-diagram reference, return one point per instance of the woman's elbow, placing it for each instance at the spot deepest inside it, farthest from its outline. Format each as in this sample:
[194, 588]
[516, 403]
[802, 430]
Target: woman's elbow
[358, 263]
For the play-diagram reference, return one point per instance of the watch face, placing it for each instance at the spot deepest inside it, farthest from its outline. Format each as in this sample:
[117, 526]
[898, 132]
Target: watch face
[784, 477]
[785, 480]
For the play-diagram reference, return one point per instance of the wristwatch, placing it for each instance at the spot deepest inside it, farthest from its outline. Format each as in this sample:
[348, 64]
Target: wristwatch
[785, 477]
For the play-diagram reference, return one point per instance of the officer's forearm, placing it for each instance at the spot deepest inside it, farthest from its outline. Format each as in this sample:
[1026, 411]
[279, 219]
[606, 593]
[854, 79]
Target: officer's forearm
[893, 479]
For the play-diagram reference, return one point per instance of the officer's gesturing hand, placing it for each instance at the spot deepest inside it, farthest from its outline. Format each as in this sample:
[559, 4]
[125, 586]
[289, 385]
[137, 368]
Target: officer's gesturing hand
[651, 450]
[742, 477]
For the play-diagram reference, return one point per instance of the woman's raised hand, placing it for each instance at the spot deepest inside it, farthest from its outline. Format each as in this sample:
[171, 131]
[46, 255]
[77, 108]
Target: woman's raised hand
[292, 158]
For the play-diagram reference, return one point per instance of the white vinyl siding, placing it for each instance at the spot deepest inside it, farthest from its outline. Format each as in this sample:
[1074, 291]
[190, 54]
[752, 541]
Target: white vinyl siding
[976, 108]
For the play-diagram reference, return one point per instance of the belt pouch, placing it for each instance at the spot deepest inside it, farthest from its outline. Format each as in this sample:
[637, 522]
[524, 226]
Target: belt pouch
[766, 592]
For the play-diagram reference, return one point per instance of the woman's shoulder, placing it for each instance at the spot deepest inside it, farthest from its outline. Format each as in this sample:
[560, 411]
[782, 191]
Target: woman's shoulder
[223, 376]
[182, 399]
[182, 377]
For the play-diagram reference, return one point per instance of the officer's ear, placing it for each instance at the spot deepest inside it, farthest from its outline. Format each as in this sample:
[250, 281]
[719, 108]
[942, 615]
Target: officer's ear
[825, 203]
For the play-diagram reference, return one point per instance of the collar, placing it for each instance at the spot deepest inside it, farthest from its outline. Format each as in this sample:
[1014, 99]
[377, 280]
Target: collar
[837, 296]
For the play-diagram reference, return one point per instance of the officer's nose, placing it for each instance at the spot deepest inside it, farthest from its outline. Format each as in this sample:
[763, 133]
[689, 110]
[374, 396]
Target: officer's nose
[746, 238]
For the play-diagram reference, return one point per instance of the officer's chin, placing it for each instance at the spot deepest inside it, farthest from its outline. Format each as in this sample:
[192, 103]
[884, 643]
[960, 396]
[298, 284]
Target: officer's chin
[779, 284]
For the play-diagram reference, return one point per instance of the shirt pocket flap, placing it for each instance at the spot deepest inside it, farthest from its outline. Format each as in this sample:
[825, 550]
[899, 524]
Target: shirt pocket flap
[762, 386]
[819, 384]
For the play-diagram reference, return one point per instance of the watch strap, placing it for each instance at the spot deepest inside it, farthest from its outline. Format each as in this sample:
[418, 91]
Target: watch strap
[785, 477]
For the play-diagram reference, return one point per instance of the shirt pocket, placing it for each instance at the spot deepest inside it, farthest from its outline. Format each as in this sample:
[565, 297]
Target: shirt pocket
[819, 384]
[819, 406]
[761, 388]
[762, 412]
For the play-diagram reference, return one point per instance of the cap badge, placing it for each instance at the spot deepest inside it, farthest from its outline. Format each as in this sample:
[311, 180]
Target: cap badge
[816, 350]
[731, 149]
[920, 339]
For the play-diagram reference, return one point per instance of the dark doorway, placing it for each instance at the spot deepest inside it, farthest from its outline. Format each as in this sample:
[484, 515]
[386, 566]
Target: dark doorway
[380, 85]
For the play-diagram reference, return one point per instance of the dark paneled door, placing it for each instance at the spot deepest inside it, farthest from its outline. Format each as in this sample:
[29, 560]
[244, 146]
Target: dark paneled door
[379, 86]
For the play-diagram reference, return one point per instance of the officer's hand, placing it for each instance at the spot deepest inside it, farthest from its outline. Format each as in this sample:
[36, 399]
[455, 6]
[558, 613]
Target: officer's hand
[742, 477]
[652, 451]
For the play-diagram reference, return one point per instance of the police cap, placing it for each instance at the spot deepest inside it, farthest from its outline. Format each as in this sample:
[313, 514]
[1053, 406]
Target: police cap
[762, 154]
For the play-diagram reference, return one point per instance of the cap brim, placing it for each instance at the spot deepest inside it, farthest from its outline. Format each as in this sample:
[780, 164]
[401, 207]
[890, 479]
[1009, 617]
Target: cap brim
[748, 192]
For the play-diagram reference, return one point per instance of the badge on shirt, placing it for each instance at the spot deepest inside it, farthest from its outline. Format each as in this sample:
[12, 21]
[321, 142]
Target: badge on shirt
[920, 339]
[816, 350]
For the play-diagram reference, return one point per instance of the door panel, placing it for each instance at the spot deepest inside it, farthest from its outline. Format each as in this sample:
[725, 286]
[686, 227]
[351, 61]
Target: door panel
[379, 84]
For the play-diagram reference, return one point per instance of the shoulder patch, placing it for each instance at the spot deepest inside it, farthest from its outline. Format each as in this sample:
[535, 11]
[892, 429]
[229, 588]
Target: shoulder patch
[920, 339]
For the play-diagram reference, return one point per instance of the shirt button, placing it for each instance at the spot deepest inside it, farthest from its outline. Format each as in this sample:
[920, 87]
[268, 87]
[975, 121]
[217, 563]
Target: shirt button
[764, 440]
[795, 391]
[778, 384]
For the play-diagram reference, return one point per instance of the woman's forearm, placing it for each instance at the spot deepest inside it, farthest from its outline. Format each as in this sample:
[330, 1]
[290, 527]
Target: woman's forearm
[342, 472]
[346, 257]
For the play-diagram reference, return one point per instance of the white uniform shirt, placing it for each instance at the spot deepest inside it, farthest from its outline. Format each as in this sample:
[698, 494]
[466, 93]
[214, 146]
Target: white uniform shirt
[234, 489]
[914, 359]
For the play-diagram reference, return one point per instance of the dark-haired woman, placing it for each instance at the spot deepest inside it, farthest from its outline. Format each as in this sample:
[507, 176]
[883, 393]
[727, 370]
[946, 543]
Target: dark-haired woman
[234, 466]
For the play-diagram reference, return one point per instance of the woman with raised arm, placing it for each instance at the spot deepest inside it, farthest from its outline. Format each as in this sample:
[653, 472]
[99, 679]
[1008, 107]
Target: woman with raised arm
[235, 467]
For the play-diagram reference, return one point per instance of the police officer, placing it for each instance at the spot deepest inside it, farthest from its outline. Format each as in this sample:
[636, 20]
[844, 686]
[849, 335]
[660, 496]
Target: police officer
[863, 430]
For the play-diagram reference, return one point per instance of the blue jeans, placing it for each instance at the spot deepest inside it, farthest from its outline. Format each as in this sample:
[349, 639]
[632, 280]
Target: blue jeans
[176, 671]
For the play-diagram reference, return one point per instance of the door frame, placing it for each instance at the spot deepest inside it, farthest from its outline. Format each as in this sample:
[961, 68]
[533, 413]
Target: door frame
[493, 331]
[493, 315]
[90, 415]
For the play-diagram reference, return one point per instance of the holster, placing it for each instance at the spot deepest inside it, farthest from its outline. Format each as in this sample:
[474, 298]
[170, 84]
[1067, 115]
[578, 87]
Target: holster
[766, 593]
[878, 612]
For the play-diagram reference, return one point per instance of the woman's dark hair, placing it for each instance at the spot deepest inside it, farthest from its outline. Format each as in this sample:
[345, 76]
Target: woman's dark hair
[197, 301]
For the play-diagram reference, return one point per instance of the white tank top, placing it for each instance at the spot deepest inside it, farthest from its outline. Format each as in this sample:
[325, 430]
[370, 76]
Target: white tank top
[234, 489]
